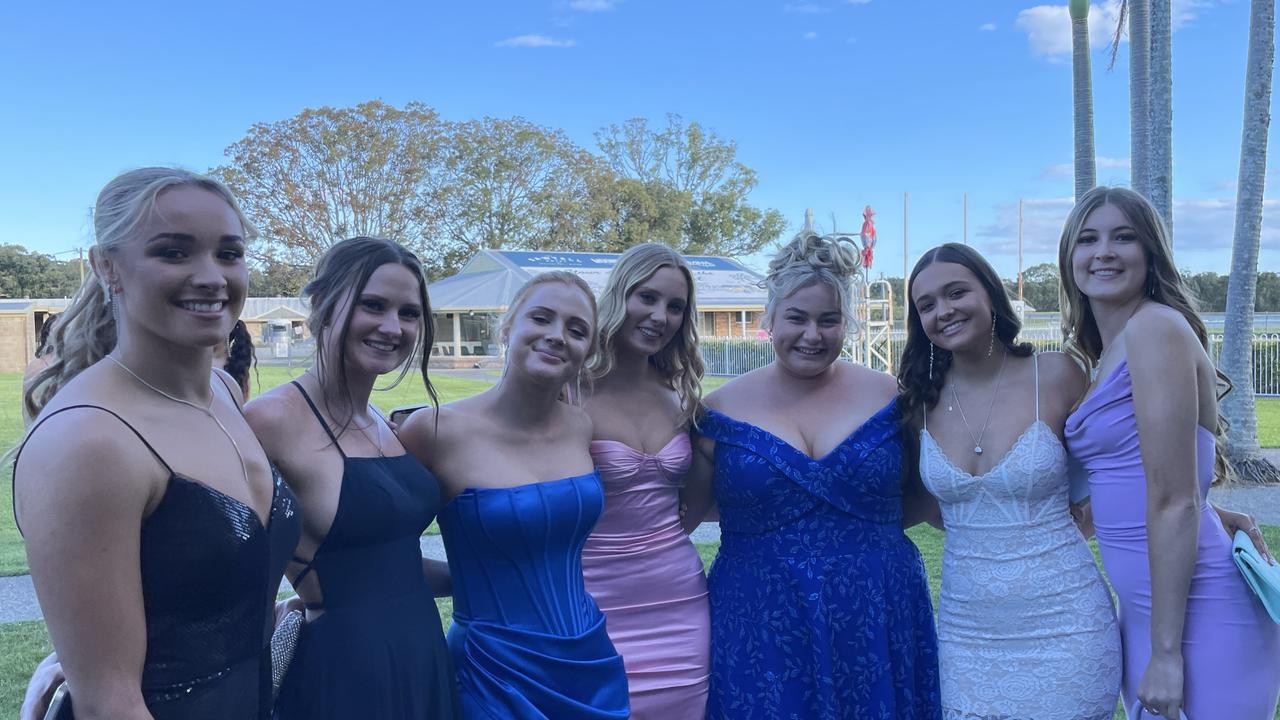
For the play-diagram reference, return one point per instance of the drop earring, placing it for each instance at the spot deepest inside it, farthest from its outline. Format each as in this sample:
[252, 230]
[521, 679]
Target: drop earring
[992, 345]
[931, 346]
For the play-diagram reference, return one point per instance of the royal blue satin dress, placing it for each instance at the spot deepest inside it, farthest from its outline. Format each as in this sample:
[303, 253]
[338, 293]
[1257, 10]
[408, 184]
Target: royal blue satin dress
[527, 639]
[819, 602]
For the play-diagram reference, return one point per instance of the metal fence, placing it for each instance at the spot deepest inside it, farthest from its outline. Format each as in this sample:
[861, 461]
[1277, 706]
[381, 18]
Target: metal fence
[734, 356]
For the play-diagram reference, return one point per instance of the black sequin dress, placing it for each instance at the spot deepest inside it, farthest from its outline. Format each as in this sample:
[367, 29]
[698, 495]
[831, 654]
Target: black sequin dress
[210, 572]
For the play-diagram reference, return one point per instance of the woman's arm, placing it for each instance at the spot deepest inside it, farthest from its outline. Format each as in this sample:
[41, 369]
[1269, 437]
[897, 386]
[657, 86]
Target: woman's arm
[438, 577]
[1162, 362]
[82, 519]
[696, 496]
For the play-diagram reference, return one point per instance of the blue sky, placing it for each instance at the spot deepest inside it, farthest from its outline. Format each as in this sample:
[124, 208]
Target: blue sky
[836, 103]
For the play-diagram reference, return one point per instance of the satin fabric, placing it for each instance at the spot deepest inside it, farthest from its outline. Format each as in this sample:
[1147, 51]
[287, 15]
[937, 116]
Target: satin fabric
[528, 642]
[647, 577]
[1230, 648]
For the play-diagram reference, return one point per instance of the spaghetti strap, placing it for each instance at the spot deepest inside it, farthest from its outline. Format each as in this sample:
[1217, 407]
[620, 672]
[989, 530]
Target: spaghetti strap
[1036, 360]
[18, 455]
[319, 418]
[234, 398]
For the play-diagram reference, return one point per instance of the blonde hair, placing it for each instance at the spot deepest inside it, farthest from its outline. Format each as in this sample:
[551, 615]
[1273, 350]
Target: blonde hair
[679, 361]
[810, 259]
[86, 330]
[554, 276]
[1081, 337]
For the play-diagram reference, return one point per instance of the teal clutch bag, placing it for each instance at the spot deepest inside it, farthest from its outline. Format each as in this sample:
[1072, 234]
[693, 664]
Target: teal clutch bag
[1262, 577]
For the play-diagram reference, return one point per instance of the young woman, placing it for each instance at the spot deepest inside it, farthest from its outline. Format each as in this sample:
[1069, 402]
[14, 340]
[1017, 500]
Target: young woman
[638, 563]
[527, 639]
[1195, 639]
[372, 646]
[1026, 628]
[157, 539]
[819, 603]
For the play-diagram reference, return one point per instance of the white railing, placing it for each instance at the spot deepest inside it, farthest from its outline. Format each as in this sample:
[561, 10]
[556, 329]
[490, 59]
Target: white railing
[734, 356]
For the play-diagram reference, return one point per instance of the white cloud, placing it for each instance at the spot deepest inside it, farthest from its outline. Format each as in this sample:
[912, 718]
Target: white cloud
[1102, 162]
[1048, 27]
[811, 35]
[987, 27]
[804, 8]
[593, 5]
[1199, 225]
[534, 41]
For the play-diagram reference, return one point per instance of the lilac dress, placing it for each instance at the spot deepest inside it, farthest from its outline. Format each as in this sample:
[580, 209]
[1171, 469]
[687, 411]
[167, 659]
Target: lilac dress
[1230, 648]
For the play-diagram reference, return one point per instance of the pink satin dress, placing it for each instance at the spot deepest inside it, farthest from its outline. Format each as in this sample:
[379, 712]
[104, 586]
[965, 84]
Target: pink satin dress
[646, 576]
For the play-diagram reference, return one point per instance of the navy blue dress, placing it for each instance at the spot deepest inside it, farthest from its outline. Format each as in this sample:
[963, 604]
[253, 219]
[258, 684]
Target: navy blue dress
[377, 652]
[210, 569]
[528, 640]
[819, 602]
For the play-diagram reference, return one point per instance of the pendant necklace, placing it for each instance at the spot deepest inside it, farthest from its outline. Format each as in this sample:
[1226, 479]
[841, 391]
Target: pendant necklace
[207, 410]
[977, 440]
[377, 443]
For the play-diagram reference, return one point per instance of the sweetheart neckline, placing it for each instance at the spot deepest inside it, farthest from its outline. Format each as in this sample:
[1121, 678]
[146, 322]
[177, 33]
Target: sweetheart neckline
[1003, 458]
[642, 453]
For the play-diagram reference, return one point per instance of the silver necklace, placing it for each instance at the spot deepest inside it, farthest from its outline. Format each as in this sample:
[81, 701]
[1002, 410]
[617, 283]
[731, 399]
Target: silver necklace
[377, 443]
[977, 440]
[207, 410]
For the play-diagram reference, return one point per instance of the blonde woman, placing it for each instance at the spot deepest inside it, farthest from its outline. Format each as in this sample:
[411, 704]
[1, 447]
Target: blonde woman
[522, 496]
[639, 564]
[158, 538]
[1195, 639]
[819, 602]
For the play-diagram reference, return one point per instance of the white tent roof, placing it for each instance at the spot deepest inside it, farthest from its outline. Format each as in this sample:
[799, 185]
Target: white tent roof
[490, 279]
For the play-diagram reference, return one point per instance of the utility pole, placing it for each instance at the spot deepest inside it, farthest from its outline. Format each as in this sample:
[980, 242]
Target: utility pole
[906, 300]
[966, 219]
[81, 251]
[1019, 249]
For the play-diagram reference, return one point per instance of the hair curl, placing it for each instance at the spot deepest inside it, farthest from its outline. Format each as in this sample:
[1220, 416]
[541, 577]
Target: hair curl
[86, 330]
[240, 356]
[679, 362]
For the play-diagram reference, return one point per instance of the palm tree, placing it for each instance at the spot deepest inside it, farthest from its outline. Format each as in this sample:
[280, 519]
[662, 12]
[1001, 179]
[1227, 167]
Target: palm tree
[1082, 97]
[1138, 14]
[1236, 360]
[1160, 78]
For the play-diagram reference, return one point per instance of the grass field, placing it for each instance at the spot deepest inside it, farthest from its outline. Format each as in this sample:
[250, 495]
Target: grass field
[24, 644]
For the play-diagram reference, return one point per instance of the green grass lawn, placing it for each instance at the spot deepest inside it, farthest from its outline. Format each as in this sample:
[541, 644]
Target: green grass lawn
[1269, 422]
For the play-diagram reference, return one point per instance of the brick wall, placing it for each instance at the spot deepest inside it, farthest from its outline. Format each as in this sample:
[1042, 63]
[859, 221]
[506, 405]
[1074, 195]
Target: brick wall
[17, 341]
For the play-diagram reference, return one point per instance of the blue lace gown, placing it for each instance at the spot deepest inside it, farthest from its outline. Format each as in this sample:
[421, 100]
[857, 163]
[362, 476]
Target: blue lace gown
[528, 641]
[819, 603]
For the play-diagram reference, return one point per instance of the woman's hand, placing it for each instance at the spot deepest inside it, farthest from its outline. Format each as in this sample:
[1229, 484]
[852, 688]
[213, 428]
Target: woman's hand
[1233, 521]
[1160, 691]
[44, 682]
[1082, 513]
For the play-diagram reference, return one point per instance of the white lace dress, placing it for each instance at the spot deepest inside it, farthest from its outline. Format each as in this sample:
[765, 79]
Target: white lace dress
[1026, 628]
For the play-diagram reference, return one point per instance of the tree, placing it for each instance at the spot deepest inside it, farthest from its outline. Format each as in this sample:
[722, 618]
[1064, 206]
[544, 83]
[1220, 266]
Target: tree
[330, 173]
[1236, 359]
[28, 274]
[1040, 286]
[1137, 13]
[1160, 158]
[515, 185]
[277, 279]
[1082, 98]
[710, 186]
